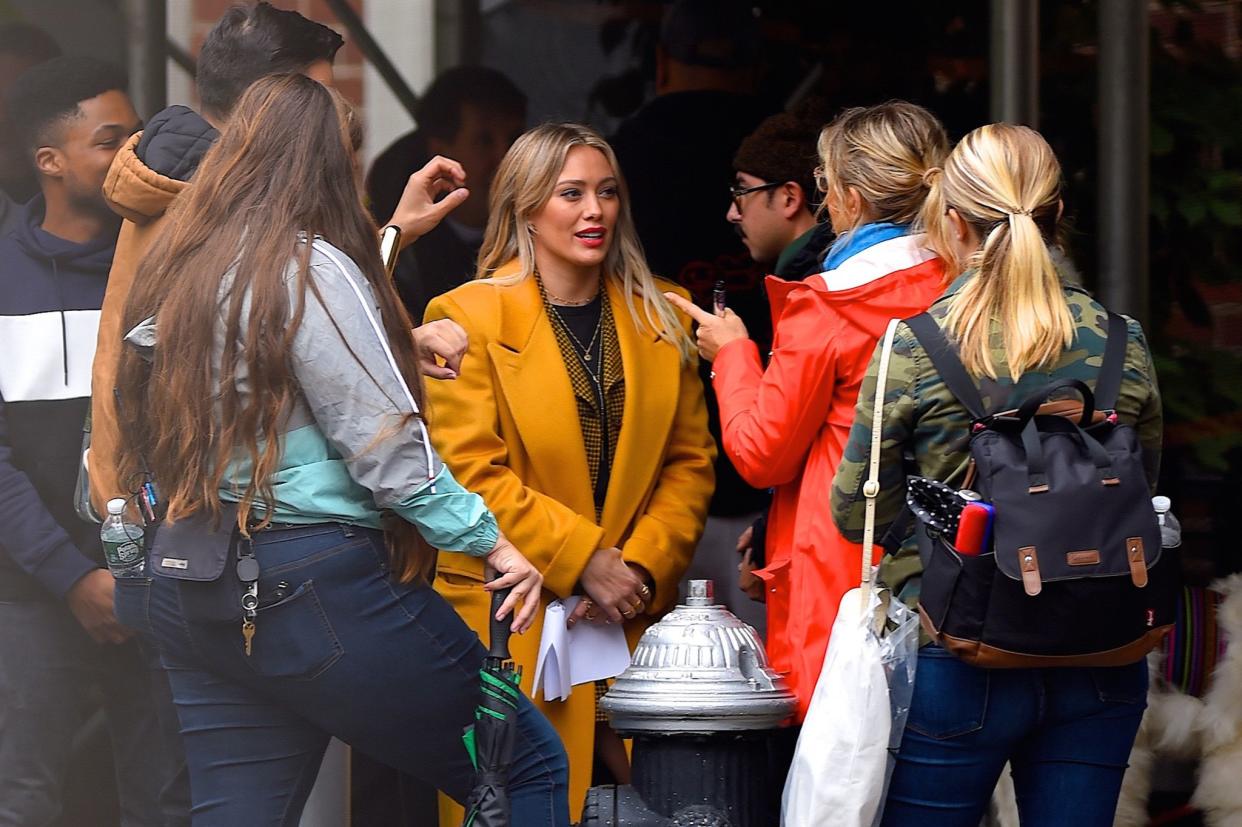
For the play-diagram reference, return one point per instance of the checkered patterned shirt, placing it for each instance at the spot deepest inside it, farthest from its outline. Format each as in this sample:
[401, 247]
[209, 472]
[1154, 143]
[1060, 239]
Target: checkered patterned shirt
[584, 391]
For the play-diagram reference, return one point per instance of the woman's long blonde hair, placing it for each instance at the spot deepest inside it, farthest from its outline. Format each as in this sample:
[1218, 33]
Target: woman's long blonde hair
[882, 151]
[1004, 181]
[524, 183]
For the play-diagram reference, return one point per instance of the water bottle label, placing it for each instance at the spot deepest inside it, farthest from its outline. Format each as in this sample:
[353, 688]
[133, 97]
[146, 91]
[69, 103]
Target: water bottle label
[123, 554]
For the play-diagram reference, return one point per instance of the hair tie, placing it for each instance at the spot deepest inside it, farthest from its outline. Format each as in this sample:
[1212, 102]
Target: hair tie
[1013, 211]
[930, 174]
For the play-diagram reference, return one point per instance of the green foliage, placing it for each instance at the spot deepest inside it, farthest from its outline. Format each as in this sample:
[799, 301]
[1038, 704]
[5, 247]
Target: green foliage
[1201, 389]
[1196, 209]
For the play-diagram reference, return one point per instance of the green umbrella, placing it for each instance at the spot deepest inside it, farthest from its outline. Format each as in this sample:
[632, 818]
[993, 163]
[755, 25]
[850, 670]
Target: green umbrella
[489, 740]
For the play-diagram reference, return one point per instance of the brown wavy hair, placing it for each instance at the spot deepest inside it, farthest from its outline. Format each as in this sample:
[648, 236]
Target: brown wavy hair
[282, 172]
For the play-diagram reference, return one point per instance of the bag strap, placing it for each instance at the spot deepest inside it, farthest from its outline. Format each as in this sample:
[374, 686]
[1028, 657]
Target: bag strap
[1108, 385]
[945, 359]
[871, 489]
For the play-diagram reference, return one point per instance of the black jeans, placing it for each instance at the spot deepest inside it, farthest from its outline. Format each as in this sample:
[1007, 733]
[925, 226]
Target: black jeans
[51, 677]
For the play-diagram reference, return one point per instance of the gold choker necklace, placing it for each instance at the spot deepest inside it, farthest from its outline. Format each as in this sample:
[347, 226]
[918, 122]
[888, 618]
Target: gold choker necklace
[570, 302]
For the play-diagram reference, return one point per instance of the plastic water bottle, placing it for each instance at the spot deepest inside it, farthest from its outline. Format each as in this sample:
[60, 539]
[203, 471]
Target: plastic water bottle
[122, 542]
[1170, 528]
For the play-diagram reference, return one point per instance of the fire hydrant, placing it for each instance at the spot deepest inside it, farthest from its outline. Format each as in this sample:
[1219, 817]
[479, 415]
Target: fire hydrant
[702, 706]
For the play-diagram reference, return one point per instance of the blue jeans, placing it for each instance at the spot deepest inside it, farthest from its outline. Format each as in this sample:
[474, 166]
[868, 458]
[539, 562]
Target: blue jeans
[52, 677]
[1067, 734]
[340, 649]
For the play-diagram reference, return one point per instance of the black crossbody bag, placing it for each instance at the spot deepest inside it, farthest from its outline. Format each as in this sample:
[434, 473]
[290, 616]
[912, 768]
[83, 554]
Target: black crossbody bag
[213, 564]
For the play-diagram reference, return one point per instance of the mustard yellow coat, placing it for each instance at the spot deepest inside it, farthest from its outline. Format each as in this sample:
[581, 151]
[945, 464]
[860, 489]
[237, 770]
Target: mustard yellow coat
[508, 428]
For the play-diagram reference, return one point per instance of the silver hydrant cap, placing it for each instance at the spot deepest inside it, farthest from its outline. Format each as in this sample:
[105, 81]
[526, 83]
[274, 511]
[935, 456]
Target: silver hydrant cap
[701, 593]
[699, 670]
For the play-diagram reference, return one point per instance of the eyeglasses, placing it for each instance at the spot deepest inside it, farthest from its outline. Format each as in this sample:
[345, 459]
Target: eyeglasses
[737, 192]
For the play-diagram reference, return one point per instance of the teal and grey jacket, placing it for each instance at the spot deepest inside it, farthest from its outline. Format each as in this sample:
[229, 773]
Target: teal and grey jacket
[923, 419]
[353, 443]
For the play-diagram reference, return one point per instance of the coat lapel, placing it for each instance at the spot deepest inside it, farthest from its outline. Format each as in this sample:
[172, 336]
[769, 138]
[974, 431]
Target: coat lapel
[652, 374]
[539, 396]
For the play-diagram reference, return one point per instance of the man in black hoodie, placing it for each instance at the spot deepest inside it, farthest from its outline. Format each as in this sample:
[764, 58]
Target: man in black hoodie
[60, 642]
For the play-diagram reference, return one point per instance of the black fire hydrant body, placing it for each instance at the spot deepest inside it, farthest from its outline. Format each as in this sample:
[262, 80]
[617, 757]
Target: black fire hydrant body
[703, 708]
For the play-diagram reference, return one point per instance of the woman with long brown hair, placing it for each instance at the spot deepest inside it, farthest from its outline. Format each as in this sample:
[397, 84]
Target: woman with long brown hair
[274, 395]
[580, 418]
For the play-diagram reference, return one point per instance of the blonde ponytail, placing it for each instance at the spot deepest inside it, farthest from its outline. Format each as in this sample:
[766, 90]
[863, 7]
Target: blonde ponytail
[1004, 181]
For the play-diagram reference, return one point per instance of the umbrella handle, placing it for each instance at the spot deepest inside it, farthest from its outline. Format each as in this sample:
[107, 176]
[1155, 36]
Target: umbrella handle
[498, 631]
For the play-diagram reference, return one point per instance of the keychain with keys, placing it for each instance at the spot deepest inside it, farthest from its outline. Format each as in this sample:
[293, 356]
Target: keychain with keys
[248, 574]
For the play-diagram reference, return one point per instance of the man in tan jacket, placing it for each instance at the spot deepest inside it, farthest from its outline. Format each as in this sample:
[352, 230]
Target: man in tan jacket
[157, 164]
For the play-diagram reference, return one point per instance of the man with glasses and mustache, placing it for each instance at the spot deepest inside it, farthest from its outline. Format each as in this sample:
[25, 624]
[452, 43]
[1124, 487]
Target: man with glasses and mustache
[774, 208]
[775, 197]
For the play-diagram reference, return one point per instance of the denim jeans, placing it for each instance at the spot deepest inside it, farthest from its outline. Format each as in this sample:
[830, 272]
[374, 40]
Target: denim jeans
[52, 676]
[133, 607]
[1066, 733]
[340, 649]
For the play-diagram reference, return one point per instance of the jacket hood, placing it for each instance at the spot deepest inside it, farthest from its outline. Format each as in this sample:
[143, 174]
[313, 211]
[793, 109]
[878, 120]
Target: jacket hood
[174, 142]
[156, 164]
[91, 258]
[886, 280]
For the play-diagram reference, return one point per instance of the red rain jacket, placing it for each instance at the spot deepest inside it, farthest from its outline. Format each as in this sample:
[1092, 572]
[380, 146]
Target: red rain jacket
[786, 428]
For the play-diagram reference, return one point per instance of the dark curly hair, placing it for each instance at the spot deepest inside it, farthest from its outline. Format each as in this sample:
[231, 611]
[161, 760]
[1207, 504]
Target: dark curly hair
[781, 149]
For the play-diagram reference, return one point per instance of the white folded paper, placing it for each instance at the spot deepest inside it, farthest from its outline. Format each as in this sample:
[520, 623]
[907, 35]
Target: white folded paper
[586, 653]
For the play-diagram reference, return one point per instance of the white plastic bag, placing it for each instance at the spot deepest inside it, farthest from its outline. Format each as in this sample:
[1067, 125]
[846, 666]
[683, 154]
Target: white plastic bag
[858, 710]
[842, 761]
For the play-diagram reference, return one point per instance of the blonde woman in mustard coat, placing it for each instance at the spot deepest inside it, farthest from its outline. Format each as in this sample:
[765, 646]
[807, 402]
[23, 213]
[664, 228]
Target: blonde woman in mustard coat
[578, 413]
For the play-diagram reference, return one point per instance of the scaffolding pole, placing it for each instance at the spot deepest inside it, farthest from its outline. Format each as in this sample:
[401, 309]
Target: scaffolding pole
[146, 23]
[1014, 62]
[372, 52]
[1124, 156]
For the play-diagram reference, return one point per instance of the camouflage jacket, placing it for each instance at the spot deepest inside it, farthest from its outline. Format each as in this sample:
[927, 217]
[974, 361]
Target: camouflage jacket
[926, 429]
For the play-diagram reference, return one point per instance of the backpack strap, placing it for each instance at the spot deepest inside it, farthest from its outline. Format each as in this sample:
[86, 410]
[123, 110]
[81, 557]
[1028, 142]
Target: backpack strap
[1108, 384]
[871, 489]
[948, 365]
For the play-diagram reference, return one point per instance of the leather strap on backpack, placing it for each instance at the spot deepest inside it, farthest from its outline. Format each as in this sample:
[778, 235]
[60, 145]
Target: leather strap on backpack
[871, 488]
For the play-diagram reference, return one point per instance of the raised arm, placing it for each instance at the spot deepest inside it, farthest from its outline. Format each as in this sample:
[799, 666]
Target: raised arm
[769, 418]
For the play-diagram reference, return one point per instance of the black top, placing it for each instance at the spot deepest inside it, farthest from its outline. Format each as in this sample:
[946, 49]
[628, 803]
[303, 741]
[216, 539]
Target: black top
[440, 260]
[583, 322]
[677, 156]
[432, 266]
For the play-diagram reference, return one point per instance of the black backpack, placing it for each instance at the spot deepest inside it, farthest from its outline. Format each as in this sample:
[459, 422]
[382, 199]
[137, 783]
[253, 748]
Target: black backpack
[1075, 575]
